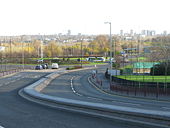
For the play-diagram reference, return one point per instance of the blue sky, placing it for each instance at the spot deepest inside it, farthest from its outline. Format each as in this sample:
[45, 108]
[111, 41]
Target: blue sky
[82, 16]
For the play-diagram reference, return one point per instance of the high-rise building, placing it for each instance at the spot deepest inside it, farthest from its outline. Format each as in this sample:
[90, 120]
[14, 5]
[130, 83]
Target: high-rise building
[131, 32]
[153, 33]
[144, 32]
[121, 32]
[69, 32]
[165, 33]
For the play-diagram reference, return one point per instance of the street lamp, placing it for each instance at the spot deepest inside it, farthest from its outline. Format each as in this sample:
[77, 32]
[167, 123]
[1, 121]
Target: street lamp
[23, 56]
[81, 54]
[110, 50]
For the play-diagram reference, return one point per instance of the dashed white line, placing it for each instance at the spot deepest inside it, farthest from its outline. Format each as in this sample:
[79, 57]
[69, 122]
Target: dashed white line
[72, 88]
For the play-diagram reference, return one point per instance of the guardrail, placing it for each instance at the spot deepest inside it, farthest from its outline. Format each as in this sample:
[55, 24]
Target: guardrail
[4, 73]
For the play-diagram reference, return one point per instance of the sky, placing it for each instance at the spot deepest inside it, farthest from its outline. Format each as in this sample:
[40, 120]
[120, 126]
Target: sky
[22, 17]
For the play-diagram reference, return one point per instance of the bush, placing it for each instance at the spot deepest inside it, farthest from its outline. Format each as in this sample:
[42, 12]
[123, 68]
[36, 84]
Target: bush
[161, 69]
[74, 67]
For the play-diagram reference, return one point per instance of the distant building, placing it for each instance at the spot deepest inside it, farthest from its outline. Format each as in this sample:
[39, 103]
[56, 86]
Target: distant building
[121, 32]
[144, 32]
[148, 32]
[69, 33]
[131, 32]
[165, 33]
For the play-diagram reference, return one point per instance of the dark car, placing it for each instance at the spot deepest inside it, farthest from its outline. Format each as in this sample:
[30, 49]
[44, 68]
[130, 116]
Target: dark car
[38, 67]
[44, 66]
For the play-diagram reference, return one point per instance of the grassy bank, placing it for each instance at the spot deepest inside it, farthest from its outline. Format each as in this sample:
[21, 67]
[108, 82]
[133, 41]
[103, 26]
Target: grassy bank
[145, 78]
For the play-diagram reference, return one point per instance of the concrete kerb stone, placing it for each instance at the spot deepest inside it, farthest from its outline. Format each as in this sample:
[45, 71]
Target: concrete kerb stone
[34, 91]
[96, 106]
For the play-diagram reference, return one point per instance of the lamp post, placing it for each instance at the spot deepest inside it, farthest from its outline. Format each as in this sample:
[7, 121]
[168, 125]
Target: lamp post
[110, 24]
[81, 54]
[23, 56]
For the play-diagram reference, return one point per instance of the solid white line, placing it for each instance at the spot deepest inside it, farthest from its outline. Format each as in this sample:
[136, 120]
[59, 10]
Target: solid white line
[13, 81]
[126, 103]
[166, 108]
[94, 98]
[1, 127]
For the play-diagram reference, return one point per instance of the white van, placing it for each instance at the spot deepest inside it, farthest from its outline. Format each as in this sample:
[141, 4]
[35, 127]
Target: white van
[54, 66]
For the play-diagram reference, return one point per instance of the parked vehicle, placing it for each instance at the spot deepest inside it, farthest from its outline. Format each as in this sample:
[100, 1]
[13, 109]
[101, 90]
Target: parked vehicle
[113, 60]
[47, 66]
[40, 60]
[44, 66]
[96, 59]
[38, 67]
[54, 66]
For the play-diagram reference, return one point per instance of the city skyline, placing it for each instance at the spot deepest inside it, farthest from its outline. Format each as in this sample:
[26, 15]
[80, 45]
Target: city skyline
[29, 17]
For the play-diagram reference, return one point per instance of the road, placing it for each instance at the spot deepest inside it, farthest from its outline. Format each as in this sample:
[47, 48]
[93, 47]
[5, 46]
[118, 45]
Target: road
[16, 112]
[75, 85]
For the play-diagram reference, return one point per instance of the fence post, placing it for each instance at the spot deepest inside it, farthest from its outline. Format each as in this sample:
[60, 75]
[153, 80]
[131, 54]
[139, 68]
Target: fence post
[144, 90]
[135, 88]
[127, 89]
[157, 88]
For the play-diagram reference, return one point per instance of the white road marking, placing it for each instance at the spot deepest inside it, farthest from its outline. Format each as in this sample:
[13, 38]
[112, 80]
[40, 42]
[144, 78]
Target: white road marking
[72, 88]
[126, 103]
[94, 98]
[13, 81]
[166, 108]
[1, 127]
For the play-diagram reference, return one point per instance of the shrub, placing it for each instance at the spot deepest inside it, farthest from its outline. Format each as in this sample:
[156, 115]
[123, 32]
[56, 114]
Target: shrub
[161, 69]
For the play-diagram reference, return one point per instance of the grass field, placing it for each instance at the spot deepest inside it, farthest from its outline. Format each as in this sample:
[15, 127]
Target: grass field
[91, 63]
[146, 78]
[139, 59]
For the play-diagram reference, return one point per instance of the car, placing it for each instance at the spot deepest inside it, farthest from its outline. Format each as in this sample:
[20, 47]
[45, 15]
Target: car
[44, 66]
[54, 66]
[38, 67]
[40, 60]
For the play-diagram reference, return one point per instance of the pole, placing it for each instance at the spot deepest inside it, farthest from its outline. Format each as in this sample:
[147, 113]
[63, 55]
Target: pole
[22, 52]
[81, 54]
[42, 41]
[110, 50]
[110, 53]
